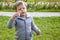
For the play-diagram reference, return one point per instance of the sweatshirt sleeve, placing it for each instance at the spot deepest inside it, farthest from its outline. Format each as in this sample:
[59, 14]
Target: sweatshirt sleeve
[34, 27]
[11, 23]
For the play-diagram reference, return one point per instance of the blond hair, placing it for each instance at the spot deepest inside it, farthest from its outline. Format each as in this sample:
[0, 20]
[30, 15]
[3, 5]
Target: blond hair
[19, 3]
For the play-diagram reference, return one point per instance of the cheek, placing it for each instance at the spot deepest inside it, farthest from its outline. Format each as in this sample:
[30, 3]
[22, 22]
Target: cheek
[19, 11]
[25, 10]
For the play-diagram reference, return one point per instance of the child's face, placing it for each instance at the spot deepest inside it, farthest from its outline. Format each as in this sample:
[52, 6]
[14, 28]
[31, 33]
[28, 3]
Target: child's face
[21, 9]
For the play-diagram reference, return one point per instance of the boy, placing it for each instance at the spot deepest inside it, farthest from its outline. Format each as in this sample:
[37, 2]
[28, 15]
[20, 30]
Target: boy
[23, 23]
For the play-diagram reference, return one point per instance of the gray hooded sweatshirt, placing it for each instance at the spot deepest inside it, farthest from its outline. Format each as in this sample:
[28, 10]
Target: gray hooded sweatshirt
[23, 27]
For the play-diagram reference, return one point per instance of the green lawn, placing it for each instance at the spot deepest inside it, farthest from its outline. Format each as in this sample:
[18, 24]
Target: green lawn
[50, 28]
[44, 10]
[33, 10]
[34, 0]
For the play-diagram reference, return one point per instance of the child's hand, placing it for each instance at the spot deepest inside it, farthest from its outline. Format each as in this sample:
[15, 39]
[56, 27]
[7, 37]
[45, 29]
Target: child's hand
[38, 32]
[15, 15]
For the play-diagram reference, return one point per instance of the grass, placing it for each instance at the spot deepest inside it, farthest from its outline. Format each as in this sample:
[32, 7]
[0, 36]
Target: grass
[33, 10]
[7, 10]
[44, 10]
[32, 0]
[39, 0]
[50, 28]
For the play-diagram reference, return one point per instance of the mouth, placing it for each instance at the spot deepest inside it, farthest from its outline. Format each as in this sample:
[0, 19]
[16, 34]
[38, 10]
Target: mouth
[23, 12]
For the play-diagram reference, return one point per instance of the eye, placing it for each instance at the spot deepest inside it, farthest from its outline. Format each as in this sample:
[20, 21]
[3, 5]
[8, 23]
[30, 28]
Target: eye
[19, 9]
[23, 8]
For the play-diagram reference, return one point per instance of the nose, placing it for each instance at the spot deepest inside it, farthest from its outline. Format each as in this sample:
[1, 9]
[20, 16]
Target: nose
[22, 10]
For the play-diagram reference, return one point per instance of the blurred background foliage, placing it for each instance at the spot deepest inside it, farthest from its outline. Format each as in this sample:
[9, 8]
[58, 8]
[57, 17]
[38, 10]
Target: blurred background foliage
[32, 5]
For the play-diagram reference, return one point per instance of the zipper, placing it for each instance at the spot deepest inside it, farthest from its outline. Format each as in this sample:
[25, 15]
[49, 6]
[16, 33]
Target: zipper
[25, 30]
